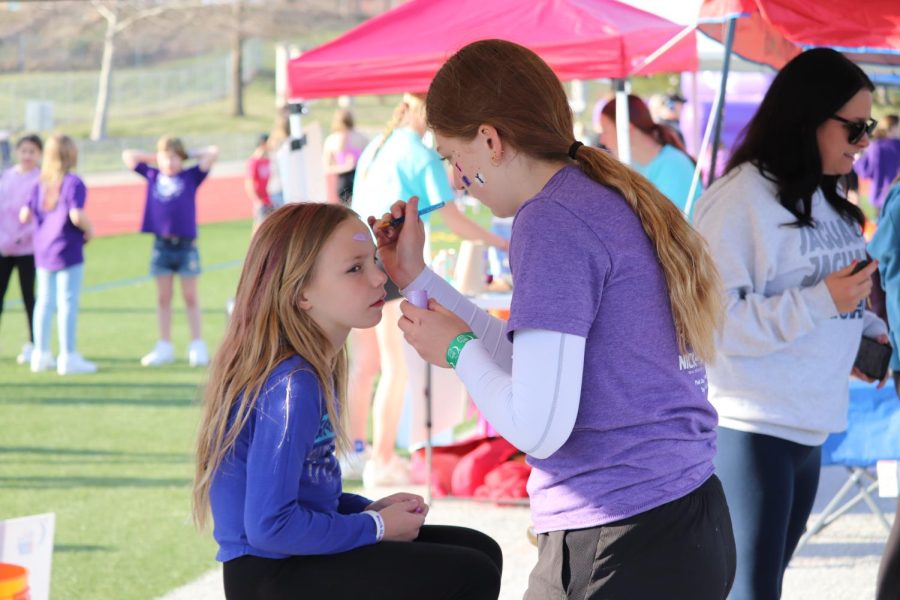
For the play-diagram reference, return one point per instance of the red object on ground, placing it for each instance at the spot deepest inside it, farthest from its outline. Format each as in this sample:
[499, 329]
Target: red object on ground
[471, 470]
[507, 481]
[118, 208]
[402, 49]
[774, 31]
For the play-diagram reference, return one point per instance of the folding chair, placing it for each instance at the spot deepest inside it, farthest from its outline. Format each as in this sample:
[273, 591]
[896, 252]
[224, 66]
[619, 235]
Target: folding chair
[872, 434]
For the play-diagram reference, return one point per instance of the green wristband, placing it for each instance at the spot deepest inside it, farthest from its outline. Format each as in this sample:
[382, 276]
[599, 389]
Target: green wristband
[456, 346]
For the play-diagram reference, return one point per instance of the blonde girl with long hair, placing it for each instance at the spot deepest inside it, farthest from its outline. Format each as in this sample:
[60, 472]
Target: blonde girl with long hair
[599, 374]
[273, 421]
[61, 229]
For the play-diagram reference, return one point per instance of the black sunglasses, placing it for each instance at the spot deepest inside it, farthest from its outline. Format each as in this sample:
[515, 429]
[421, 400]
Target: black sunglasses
[856, 129]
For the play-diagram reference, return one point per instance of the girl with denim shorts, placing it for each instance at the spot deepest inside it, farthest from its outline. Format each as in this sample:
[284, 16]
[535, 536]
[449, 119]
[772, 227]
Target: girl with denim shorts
[170, 214]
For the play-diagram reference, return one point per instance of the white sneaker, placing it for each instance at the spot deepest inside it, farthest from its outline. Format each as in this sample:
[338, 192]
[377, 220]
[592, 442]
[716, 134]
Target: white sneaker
[197, 354]
[24, 357]
[354, 463]
[74, 364]
[162, 354]
[42, 361]
[395, 472]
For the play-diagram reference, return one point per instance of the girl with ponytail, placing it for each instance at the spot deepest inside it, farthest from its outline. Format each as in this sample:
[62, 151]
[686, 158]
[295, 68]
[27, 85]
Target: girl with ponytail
[656, 149]
[599, 374]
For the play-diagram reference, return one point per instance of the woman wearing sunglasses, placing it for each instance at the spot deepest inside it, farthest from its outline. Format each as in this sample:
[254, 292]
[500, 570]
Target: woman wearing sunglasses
[786, 242]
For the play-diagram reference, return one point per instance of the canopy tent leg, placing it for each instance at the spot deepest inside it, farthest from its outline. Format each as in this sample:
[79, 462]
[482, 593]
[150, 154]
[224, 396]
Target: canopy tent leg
[714, 122]
[293, 168]
[720, 105]
[623, 120]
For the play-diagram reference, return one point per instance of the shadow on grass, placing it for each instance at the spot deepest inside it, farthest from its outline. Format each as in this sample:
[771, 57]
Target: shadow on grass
[133, 310]
[69, 384]
[25, 452]
[26, 482]
[147, 402]
[71, 393]
[82, 548]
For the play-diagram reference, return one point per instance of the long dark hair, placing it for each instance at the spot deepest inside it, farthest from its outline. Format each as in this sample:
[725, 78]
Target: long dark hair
[781, 141]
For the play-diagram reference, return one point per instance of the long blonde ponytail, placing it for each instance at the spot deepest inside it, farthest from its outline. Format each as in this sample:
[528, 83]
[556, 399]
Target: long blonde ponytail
[60, 157]
[693, 281]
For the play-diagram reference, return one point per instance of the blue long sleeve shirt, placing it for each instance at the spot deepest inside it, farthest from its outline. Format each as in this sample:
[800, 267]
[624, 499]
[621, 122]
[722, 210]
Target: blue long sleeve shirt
[885, 246]
[278, 492]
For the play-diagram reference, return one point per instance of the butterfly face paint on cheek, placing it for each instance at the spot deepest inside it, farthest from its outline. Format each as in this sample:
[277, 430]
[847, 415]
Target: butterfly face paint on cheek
[466, 181]
[480, 179]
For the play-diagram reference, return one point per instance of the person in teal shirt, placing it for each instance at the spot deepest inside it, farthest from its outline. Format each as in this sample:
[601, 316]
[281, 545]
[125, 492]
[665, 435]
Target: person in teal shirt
[656, 150]
[396, 165]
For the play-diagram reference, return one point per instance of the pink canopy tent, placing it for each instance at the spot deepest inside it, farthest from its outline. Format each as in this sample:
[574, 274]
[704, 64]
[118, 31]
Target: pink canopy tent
[402, 49]
[774, 31]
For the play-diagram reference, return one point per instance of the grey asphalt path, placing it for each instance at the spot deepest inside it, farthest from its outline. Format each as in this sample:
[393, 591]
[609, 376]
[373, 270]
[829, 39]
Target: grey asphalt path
[840, 563]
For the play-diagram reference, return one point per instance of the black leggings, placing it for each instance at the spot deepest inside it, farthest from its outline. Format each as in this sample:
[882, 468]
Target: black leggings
[25, 265]
[444, 563]
[682, 550]
[770, 484]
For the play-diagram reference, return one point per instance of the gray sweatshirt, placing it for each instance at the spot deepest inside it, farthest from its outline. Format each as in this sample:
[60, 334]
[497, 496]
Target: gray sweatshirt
[784, 356]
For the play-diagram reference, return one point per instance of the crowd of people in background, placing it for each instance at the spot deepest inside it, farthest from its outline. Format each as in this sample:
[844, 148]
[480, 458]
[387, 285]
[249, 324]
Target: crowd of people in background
[698, 424]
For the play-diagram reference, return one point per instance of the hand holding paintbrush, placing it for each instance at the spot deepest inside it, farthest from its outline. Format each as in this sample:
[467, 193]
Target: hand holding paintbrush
[400, 236]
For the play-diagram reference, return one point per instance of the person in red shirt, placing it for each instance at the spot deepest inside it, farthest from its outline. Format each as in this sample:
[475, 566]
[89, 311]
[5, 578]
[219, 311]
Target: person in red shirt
[256, 180]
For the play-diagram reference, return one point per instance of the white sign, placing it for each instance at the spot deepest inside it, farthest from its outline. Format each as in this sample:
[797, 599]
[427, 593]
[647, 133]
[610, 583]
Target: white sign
[28, 542]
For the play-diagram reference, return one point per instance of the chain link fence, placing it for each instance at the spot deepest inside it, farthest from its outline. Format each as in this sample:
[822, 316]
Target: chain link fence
[71, 96]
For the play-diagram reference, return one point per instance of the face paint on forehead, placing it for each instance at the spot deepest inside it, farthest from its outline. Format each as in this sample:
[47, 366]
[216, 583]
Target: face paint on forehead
[361, 237]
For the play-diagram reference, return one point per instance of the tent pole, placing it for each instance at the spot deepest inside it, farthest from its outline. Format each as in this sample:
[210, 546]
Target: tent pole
[623, 121]
[726, 65]
[294, 176]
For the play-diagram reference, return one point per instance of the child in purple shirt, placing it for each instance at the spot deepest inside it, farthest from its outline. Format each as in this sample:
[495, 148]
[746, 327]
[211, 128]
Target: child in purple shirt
[170, 214]
[599, 374]
[16, 245]
[61, 228]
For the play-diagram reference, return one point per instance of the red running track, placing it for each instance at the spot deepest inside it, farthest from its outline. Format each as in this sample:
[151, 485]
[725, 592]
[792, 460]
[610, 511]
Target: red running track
[118, 208]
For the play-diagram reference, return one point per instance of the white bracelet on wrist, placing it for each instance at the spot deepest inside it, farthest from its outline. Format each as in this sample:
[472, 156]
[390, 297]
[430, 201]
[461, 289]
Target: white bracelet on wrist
[379, 524]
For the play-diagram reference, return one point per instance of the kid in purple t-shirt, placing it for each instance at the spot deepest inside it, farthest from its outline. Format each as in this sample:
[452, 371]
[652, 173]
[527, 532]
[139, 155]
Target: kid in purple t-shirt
[170, 214]
[61, 229]
[16, 244]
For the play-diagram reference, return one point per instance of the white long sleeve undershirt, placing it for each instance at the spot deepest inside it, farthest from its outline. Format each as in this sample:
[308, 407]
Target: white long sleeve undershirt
[532, 400]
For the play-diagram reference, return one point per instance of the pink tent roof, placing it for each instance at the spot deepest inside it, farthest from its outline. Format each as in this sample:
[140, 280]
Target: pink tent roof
[774, 31]
[402, 49]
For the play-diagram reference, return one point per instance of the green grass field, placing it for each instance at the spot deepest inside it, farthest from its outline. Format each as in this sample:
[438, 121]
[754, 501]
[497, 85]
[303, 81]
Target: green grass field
[112, 453]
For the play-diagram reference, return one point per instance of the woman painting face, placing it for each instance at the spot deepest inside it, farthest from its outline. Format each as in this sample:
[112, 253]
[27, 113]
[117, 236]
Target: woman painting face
[836, 137]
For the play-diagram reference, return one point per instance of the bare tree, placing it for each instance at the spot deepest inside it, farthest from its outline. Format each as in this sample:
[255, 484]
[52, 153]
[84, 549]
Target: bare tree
[118, 19]
[237, 59]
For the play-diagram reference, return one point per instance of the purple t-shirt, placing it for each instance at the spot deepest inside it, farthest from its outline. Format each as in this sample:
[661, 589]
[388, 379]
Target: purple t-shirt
[171, 207]
[58, 244]
[880, 163]
[15, 190]
[645, 432]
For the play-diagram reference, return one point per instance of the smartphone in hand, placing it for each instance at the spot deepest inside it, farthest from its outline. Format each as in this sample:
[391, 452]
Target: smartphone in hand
[861, 265]
[873, 358]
